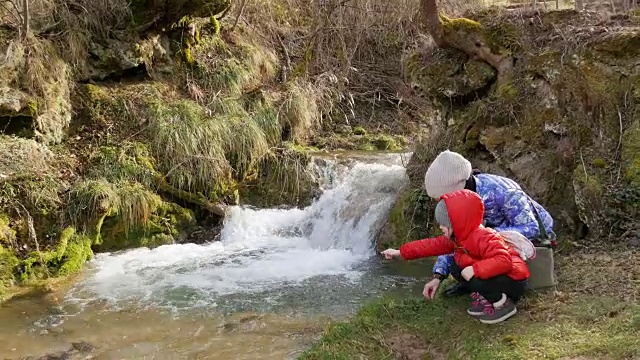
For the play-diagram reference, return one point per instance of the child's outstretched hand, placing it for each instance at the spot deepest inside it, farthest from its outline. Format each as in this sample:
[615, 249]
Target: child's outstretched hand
[391, 253]
[431, 288]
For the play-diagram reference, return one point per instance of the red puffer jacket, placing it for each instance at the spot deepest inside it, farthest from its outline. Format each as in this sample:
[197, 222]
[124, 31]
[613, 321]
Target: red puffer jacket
[474, 245]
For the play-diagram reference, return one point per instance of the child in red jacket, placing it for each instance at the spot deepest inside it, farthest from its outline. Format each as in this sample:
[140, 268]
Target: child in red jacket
[494, 271]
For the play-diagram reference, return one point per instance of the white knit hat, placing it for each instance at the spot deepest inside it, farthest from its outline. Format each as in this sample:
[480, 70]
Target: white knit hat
[448, 172]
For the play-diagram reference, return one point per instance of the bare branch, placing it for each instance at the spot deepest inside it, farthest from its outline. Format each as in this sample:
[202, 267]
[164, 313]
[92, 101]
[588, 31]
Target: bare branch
[242, 6]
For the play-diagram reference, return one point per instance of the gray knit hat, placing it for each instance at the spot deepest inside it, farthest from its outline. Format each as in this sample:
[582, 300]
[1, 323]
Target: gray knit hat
[448, 172]
[442, 214]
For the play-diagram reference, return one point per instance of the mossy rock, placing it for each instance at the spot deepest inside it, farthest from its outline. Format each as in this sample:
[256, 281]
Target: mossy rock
[625, 45]
[408, 220]
[67, 258]
[451, 74]
[631, 153]
[23, 156]
[7, 234]
[556, 127]
[165, 225]
[387, 142]
[126, 214]
[36, 86]
[120, 107]
[359, 130]
[8, 264]
[169, 12]
[30, 194]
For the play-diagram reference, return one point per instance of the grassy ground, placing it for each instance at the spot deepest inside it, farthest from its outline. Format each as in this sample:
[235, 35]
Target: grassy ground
[593, 314]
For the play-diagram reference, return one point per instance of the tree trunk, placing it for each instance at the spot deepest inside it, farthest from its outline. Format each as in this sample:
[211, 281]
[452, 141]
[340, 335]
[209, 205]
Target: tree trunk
[465, 35]
[432, 21]
[25, 19]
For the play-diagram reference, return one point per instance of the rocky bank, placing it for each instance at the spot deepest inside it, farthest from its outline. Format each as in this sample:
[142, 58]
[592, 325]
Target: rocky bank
[128, 124]
[565, 125]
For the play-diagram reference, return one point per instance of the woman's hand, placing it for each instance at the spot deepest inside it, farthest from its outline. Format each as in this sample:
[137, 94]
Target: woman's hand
[467, 273]
[431, 288]
[391, 253]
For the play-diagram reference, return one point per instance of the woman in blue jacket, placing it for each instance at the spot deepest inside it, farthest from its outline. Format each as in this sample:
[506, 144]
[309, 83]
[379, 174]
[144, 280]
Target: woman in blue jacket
[507, 208]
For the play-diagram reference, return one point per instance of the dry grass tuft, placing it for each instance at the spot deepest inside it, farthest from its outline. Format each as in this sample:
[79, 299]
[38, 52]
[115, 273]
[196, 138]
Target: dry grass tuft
[300, 110]
[245, 145]
[131, 203]
[189, 147]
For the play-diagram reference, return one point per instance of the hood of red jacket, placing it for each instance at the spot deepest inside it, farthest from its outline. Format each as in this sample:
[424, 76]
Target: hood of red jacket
[466, 211]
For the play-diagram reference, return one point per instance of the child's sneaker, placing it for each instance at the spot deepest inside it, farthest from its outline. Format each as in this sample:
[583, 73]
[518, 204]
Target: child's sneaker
[477, 305]
[498, 312]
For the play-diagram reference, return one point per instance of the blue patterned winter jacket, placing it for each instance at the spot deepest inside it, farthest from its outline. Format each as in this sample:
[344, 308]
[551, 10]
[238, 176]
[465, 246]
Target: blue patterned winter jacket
[506, 208]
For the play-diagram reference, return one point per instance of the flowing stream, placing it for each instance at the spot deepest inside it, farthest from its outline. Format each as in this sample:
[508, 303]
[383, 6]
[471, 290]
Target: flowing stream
[266, 290]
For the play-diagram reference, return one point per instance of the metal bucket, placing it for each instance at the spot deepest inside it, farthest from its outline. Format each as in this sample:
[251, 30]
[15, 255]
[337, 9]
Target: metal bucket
[542, 269]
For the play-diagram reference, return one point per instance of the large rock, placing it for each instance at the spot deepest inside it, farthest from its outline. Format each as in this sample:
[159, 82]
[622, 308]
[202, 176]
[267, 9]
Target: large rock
[22, 156]
[14, 102]
[163, 12]
[566, 127]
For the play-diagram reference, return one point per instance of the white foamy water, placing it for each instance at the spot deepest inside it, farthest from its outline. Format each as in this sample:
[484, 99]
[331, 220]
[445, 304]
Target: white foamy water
[265, 256]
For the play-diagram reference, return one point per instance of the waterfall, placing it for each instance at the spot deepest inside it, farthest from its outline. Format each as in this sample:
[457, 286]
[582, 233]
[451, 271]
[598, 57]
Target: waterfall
[263, 254]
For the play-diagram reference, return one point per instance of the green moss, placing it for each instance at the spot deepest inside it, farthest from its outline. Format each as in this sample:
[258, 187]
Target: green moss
[385, 143]
[507, 91]
[127, 207]
[215, 23]
[400, 221]
[460, 24]
[104, 105]
[187, 55]
[39, 195]
[504, 38]
[71, 252]
[33, 107]
[409, 219]
[78, 252]
[631, 154]
[359, 130]
[449, 73]
[163, 226]
[125, 214]
[8, 264]
[590, 182]
[620, 46]
[599, 162]
[366, 146]
[298, 148]
[7, 234]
